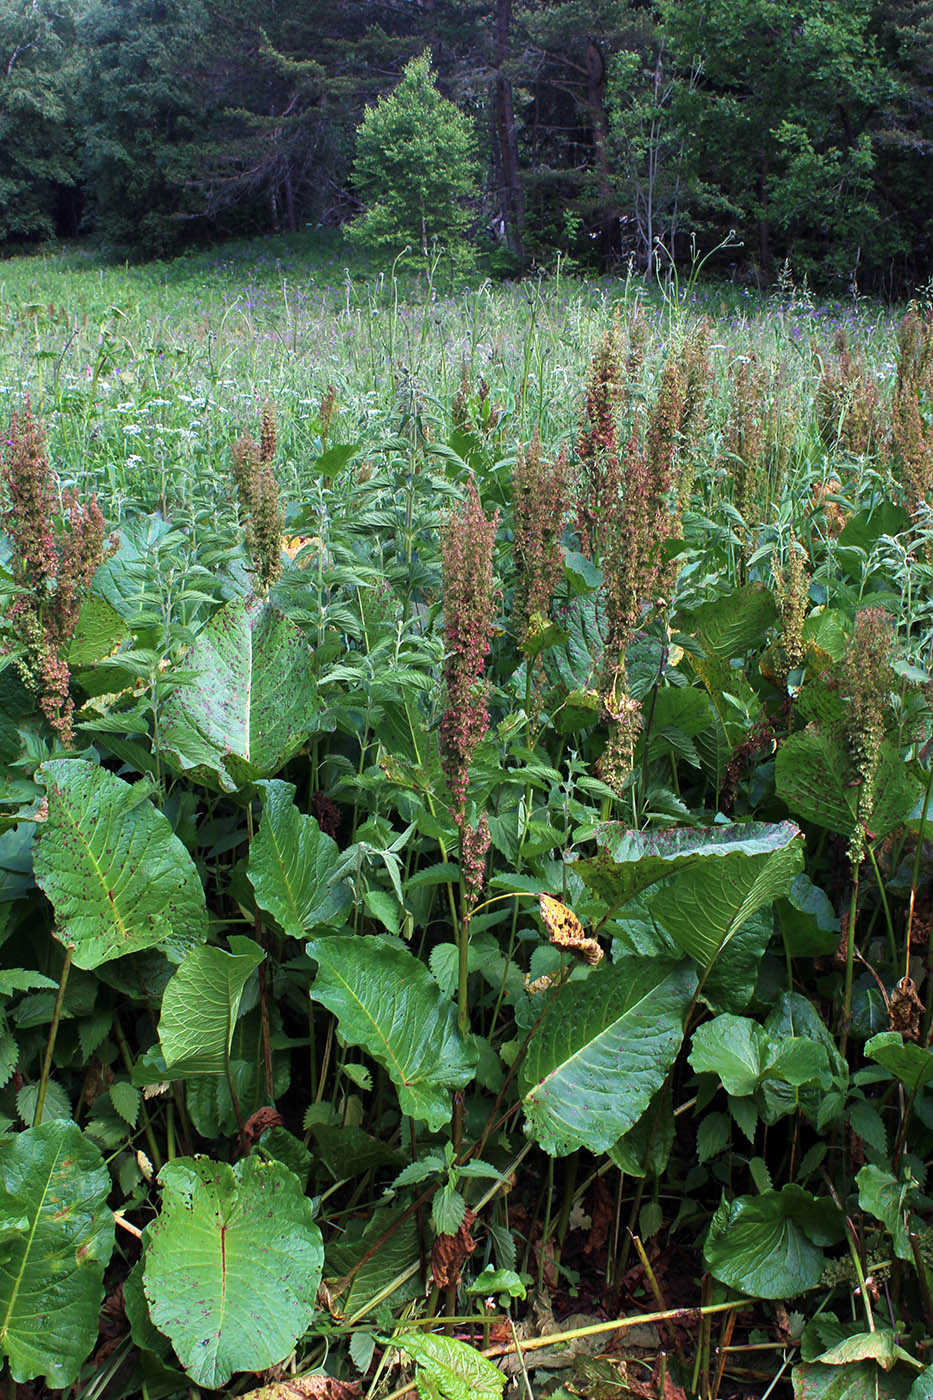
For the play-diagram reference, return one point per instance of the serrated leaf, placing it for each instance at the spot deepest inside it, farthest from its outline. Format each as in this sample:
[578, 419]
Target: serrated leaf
[771, 1245]
[200, 1007]
[56, 1238]
[9, 1055]
[713, 1136]
[602, 1050]
[232, 1265]
[386, 1000]
[18, 979]
[456, 1371]
[56, 1106]
[362, 1346]
[118, 877]
[125, 1099]
[732, 1047]
[447, 1210]
[254, 701]
[295, 868]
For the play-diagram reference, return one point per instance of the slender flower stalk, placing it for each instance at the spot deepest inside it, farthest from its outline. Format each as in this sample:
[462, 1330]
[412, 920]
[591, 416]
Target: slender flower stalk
[469, 604]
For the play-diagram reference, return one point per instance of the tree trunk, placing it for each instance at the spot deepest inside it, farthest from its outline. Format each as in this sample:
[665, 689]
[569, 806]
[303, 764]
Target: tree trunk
[511, 203]
[764, 227]
[596, 101]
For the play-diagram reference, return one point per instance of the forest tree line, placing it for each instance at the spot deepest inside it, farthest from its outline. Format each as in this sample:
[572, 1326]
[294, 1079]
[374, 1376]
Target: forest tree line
[608, 130]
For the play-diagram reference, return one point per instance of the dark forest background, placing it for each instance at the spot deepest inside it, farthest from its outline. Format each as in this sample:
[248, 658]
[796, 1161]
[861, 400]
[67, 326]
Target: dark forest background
[601, 126]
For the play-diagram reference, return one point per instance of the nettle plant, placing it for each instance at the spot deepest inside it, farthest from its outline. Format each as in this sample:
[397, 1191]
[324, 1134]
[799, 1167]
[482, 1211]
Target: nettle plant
[517, 813]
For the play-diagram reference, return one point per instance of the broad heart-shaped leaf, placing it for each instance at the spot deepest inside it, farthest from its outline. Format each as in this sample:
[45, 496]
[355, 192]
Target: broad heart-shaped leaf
[253, 704]
[294, 867]
[232, 1265]
[859, 1380]
[627, 862]
[450, 1370]
[810, 776]
[56, 1238]
[911, 1064]
[386, 1000]
[200, 1005]
[735, 622]
[602, 1050]
[771, 1246]
[118, 877]
[703, 906]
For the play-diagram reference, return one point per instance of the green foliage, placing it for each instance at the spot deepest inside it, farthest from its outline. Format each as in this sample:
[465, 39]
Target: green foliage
[415, 171]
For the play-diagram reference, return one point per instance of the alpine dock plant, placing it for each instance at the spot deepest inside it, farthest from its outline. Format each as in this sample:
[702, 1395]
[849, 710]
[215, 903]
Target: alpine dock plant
[279, 1081]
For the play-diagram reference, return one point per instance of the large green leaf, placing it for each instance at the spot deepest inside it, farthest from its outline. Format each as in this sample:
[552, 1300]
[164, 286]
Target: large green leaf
[628, 862]
[253, 704]
[859, 1380]
[771, 1246]
[232, 1265]
[746, 1056]
[294, 867]
[911, 1064]
[386, 1000]
[735, 622]
[118, 877]
[200, 1006]
[450, 1370]
[810, 776]
[602, 1050]
[56, 1237]
[704, 905]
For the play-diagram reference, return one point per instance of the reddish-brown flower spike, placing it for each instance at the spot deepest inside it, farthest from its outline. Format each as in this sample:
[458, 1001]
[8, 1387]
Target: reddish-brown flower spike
[53, 564]
[469, 606]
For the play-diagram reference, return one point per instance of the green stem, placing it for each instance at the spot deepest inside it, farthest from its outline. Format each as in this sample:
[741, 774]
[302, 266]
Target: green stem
[850, 963]
[892, 942]
[53, 1033]
[144, 1112]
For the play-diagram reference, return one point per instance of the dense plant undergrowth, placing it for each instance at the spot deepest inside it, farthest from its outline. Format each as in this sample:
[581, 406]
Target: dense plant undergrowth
[463, 872]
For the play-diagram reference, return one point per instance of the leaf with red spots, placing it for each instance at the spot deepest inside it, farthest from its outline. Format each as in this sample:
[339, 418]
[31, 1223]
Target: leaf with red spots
[232, 1265]
[56, 1238]
[118, 877]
